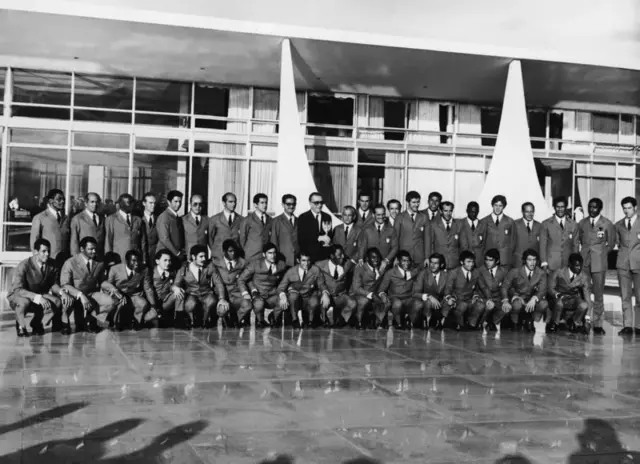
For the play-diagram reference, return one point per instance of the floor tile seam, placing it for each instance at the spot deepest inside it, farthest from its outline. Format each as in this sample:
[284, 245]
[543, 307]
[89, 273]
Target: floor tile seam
[600, 389]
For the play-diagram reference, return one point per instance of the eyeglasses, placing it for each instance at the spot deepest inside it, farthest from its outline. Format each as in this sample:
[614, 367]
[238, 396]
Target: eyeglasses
[196, 204]
[290, 204]
[318, 203]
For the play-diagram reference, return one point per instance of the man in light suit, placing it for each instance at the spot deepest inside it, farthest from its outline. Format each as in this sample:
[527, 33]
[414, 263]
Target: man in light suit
[396, 292]
[628, 265]
[35, 289]
[255, 230]
[335, 271]
[462, 298]
[230, 267]
[472, 235]
[429, 289]
[413, 230]
[225, 226]
[527, 232]
[433, 206]
[570, 292]
[597, 237]
[169, 227]
[88, 223]
[312, 238]
[150, 220]
[490, 282]
[124, 231]
[284, 231]
[381, 236]
[196, 225]
[53, 224]
[394, 207]
[349, 235]
[81, 277]
[167, 296]
[364, 215]
[364, 289]
[499, 231]
[445, 235]
[558, 238]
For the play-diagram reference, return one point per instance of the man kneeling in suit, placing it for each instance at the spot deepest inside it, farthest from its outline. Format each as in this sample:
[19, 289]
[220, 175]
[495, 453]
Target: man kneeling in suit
[461, 294]
[230, 266]
[302, 288]
[166, 295]
[428, 289]
[366, 280]
[396, 292]
[571, 296]
[335, 271]
[491, 279]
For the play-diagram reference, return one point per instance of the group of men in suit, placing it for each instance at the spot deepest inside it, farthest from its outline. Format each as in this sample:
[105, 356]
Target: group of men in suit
[412, 268]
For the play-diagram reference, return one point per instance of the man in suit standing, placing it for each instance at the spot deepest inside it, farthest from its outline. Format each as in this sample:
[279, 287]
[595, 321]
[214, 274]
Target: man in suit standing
[255, 231]
[445, 235]
[35, 289]
[558, 238]
[166, 294]
[54, 225]
[499, 231]
[490, 283]
[471, 234]
[365, 215]
[381, 236]
[302, 288]
[396, 292]
[311, 236]
[81, 277]
[335, 271]
[348, 235]
[628, 265]
[224, 226]
[569, 288]
[597, 237]
[429, 291]
[366, 280]
[230, 267]
[284, 230]
[461, 294]
[259, 283]
[195, 224]
[413, 230]
[88, 224]
[527, 232]
[394, 207]
[150, 220]
[525, 287]
[169, 227]
[433, 207]
[124, 231]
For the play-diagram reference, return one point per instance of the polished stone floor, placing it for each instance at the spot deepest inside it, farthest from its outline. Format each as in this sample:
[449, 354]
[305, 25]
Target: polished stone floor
[318, 397]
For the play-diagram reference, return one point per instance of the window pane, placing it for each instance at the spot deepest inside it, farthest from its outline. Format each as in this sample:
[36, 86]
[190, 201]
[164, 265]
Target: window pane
[211, 100]
[40, 112]
[335, 183]
[328, 109]
[41, 87]
[425, 181]
[470, 163]
[264, 151]
[103, 92]
[262, 180]
[430, 160]
[159, 174]
[32, 172]
[266, 104]
[218, 148]
[163, 97]
[489, 124]
[468, 188]
[106, 174]
[605, 127]
[387, 158]
[17, 238]
[100, 140]
[214, 177]
[102, 116]
[3, 74]
[39, 137]
[162, 144]
[320, 153]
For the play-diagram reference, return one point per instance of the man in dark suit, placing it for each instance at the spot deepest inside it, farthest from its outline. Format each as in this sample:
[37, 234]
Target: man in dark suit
[366, 280]
[597, 237]
[195, 224]
[433, 206]
[259, 283]
[499, 231]
[462, 294]
[349, 235]
[396, 292]
[124, 231]
[230, 267]
[88, 223]
[131, 286]
[224, 226]
[429, 290]
[35, 289]
[558, 238]
[445, 235]
[569, 289]
[284, 230]
[81, 277]
[169, 227]
[471, 234]
[381, 236]
[335, 271]
[525, 287]
[53, 224]
[302, 288]
[394, 207]
[490, 282]
[413, 230]
[527, 232]
[364, 215]
[150, 221]
[166, 294]
[628, 265]
[255, 230]
[198, 282]
[311, 236]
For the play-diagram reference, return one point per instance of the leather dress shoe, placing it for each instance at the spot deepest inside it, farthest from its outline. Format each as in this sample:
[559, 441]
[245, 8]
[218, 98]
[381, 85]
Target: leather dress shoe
[459, 328]
[21, 331]
[552, 327]
[359, 325]
[582, 329]
[37, 329]
[91, 326]
[529, 327]
[262, 324]
[627, 331]
[598, 331]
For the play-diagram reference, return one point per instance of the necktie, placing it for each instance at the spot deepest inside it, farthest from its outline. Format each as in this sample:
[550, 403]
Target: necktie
[130, 275]
[413, 217]
[198, 274]
[58, 216]
[150, 222]
[292, 223]
[473, 226]
[197, 220]
[89, 266]
[573, 276]
[319, 221]
[497, 221]
[95, 219]
[529, 226]
[230, 266]
[561, 224]
[436, 277]
[379, 230]
[493, 276]
[529, 275]
[164, 276]
[448, 226]
[346, 232]
[129, 220]
[628, 224]
[468, 277]
[230, 220]
[335, 273]
[264, 220]
[304, 275]
[270, 270]
[43, 268]
[593, 223]
[364, 217]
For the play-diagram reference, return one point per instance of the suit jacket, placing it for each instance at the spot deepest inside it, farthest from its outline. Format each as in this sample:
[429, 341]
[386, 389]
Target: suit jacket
[230, 278]
[170, 232]
[28, 281]
[525, 240]
[628, 245]
[557, 244]
[426, 283]
[285, 237]
[518, 284]
[337, 286]
[253, 235]
[560, 282]
[208, 281]
[120, 237]
[313, 281]
[83, 226]
[45, 225]
[490, 287]
[352, 244]
[394, 284]
[447, 243]
[152, 238]
[414, 236]
[162, 287]
[386, 241]
[256, 276]
[75, 276]
[369, 219]
[435, 217]
[193, 234]
[458, 287]
[308, 233]
[596, 243]
[500, 237]
[365, 281]
[473, 240]
[140, 283]
[219, 231]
